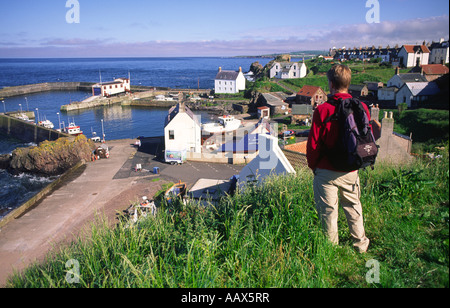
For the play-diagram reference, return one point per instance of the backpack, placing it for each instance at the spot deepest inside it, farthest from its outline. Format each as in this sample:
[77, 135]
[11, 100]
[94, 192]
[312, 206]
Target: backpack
[356, 148]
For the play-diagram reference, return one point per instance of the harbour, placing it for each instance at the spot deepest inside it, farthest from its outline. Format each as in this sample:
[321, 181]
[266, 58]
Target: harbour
[104, 186]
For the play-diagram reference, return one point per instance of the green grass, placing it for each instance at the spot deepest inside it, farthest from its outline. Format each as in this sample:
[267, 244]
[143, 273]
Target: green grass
[270, 237]
[429, 127]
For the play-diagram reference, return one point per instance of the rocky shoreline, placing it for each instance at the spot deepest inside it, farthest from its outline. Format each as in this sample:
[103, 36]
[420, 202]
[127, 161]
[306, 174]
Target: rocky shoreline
[50, 158]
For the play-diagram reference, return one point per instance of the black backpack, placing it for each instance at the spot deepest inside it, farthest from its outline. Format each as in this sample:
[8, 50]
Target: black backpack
[356, 148]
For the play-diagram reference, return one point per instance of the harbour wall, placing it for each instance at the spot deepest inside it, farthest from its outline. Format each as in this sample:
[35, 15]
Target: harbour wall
[28, 132]
[45, 87]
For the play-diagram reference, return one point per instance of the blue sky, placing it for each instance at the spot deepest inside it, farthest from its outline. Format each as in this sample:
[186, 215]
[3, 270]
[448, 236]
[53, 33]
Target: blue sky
[31, 28]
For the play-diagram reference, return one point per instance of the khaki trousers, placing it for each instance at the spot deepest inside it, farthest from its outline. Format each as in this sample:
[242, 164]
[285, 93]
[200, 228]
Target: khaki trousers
[328, 186]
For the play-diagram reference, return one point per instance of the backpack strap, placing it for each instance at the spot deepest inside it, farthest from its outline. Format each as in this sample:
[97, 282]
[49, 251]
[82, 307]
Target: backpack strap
[333, 117]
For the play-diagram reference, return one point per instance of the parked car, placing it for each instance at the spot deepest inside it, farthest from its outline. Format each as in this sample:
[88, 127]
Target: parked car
[304, 133]
[287, 134]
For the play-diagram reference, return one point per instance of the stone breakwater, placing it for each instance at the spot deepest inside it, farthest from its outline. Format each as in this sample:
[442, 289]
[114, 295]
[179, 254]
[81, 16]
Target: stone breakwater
[45, 87]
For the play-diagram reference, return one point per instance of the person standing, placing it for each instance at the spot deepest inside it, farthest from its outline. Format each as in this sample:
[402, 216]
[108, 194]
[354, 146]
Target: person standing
[330, 183]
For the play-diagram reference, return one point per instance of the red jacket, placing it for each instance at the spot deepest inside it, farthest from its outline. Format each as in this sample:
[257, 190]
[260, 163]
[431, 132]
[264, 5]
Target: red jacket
[327, 135]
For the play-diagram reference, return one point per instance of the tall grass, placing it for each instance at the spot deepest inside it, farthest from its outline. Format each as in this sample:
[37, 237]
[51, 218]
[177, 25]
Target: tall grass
[269, 236]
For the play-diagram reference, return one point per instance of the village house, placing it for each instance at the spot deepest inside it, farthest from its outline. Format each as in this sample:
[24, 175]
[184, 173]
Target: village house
[387, 94]
[439, 52]
[413, 93]
[229, 82]
[276, 101]
[431, 71]
[264, 112]
[312, 95]
[387, 54]
[412, 55]
[373, 85]
[288, 70]
[106, 89]
[301, 113]
[358, 90]
[182, 130]
[398, 80]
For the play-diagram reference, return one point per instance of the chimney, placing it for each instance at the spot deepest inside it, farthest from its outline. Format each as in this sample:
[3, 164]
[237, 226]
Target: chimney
[375, 113]
[387, 126]
[240, 69]
[181, 107]
[397, 70]
[220, 69]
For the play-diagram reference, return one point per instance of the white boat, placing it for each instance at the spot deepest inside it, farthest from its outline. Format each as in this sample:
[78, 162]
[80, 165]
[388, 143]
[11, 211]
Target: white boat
[47, 124]
[225, 124]
[73, 130]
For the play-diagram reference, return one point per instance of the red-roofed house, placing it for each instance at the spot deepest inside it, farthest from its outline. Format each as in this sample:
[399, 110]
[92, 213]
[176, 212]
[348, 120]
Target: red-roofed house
[414, 55]
[311, 95]
[431, 71]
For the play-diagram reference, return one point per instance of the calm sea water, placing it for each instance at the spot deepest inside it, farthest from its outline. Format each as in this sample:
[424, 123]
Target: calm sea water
[118, 122]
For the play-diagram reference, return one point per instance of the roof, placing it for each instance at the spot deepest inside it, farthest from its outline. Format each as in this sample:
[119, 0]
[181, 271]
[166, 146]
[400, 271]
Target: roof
[388, 89]
[275, 98]
[423, 88]
[412, 77]
[309, 91]
[209, 189]
[416, 48]
[227, 75]
[297, 147]
[302, 109]
[180, 107]
[432, 69]
[357, 87]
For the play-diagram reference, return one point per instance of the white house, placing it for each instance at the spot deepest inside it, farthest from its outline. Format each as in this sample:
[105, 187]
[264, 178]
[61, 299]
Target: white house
[229, 82]
[288, 70]
[413, 55]
[416, 92]
[105, 89]
[387, 93]
[270, 161]
[182, 131]
[439, 52]
[398, 80]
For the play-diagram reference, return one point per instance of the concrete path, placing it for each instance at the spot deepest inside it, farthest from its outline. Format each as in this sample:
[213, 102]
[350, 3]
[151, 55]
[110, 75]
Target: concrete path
[62, 213]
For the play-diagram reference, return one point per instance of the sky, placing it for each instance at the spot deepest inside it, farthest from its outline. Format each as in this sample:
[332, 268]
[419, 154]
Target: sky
[170, 28]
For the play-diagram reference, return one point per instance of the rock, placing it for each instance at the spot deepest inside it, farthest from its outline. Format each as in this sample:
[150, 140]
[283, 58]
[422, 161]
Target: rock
[5, 161]
[52, 157]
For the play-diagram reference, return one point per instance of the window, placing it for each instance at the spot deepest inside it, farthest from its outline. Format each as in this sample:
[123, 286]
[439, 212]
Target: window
[171, 135]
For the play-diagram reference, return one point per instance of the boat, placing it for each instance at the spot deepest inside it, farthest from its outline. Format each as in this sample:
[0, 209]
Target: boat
[176, 191]
[24, 117]
[227, 123]
[46, 124]
[73, 130]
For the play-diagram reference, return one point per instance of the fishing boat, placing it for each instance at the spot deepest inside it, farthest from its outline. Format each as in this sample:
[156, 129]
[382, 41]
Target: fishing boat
[176, 191]
[46, 124]
[73, 129]
[227, 123]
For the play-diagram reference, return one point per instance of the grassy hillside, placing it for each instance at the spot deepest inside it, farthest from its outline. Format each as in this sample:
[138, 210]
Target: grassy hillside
[270, 237]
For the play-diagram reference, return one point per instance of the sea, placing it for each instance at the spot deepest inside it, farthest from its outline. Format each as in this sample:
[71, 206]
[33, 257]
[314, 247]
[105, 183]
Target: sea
[115, 122]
